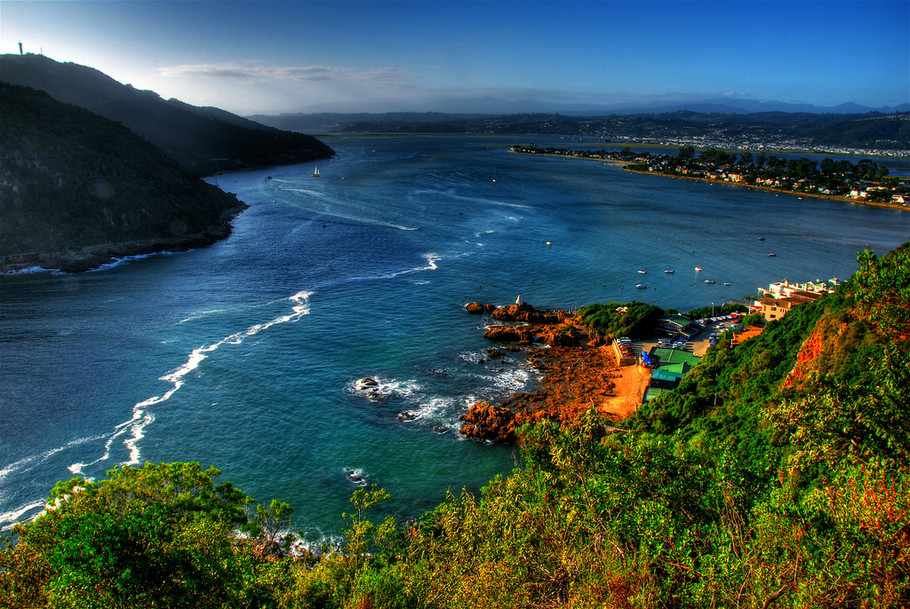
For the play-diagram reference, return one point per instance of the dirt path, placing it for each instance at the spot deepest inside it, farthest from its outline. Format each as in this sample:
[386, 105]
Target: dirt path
[631, 382]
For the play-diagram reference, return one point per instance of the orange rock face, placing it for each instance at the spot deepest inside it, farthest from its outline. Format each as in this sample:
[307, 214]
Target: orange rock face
[474, 307]
[577, 374]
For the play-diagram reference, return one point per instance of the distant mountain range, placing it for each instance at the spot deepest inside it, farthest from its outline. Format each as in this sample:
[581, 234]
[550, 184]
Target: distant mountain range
[759, 130]
[203, 140]
[497, 106]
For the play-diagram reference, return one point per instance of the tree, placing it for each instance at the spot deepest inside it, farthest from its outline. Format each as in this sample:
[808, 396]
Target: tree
[157, 536]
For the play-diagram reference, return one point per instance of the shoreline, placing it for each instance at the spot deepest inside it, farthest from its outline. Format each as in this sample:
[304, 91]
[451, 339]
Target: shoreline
[578, 372]
[624, 165]
[883, 204]
[94, 257]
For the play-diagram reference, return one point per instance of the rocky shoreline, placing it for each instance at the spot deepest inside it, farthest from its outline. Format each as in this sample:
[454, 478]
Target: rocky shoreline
[90, 257]
[578, 371]
[95, 256]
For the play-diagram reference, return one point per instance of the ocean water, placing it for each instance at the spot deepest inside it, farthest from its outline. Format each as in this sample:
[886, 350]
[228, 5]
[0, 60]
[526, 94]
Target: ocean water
[247, 355]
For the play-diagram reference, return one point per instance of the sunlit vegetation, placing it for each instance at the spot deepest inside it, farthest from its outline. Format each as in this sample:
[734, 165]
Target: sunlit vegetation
[766, 479]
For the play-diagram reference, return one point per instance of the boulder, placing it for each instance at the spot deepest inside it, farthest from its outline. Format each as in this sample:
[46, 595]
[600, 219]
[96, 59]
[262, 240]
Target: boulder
[474, 307]
[487, 422]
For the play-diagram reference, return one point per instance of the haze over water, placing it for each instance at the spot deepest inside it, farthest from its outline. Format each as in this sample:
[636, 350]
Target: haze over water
[246, 355]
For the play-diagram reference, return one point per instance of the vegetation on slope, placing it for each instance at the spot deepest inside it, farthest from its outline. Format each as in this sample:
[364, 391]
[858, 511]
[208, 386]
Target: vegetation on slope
[70, 179]
[791, 490]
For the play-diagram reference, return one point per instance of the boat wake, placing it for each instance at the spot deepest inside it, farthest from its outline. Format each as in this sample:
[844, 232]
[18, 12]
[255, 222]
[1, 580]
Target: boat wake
[361, 217]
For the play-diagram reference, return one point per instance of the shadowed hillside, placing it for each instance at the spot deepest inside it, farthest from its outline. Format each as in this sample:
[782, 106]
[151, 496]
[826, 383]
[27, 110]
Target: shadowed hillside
[203, 140]
[77, 189]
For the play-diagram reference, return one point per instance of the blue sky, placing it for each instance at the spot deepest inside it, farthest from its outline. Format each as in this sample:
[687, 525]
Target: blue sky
[423, 55]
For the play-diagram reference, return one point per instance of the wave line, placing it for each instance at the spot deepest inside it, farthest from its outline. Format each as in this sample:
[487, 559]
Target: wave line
[141, 416]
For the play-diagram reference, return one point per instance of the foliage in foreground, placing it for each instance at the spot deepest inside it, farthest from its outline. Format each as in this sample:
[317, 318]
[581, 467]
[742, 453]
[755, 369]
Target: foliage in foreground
[790, 491]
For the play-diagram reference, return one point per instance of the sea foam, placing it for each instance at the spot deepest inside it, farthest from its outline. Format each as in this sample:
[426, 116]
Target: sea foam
[142, 417]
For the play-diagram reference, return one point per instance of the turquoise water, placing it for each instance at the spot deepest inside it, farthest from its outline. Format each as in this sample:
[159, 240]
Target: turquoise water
[246, 355]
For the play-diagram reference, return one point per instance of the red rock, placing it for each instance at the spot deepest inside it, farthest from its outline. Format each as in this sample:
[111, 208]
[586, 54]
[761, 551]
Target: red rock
[474, 307]
[508, 334]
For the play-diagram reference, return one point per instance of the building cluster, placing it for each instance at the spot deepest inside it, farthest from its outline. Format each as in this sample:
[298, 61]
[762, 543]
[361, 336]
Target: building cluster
[863, 180]
[782, 296]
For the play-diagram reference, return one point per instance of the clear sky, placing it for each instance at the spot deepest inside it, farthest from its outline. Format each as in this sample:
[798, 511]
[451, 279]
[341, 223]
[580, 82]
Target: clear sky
[350, 55]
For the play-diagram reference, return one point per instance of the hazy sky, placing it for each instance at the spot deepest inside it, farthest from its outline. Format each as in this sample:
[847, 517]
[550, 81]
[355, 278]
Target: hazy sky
[267, 56]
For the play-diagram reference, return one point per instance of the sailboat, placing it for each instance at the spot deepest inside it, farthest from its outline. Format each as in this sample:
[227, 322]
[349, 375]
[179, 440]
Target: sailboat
[316, 172]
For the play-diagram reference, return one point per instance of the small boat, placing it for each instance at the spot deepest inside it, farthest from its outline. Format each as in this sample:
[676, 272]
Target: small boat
[771, 255]
[726, 283]
[761, 238]
[698, 268]
[641, 286]
[669, 271]
[709, 281]
[642, 272]
[549, 243]
[316, 172]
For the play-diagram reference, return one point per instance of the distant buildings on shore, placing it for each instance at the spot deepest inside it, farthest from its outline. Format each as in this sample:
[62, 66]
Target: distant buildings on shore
[780, 297]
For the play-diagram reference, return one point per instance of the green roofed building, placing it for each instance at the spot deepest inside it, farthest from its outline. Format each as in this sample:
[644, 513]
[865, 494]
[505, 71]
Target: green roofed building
[671, 366]
[667, 357]
[678, 324]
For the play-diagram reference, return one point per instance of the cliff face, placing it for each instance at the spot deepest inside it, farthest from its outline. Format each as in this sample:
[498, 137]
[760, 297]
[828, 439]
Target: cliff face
[77, 189]
[203, 140]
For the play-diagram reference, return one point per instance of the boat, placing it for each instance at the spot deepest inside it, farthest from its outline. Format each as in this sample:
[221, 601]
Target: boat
[549, 243]
[641, 286]
[726, 283]
[669, 271]
[642, 272]
[698, 268]
[771, 255]
[709, 281]
[761, 238]
[316, 172]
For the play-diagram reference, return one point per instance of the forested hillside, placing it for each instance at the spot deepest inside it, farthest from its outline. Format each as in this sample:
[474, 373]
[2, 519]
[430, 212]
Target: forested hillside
[76, 189]
[203, 140]
[775, 476]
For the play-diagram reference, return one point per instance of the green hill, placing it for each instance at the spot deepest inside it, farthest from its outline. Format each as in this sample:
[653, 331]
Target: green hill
[77, 189]
[203, 140]
[790, 488]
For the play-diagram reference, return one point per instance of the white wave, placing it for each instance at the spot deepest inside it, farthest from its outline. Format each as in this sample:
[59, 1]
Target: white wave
[199, 315]
[141, 416]
[34, 460]
[376, 388]
[29, 270]
[8, 519]
[356, 476]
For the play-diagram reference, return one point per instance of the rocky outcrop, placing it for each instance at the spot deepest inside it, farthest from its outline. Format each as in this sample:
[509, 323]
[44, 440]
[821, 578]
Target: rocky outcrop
[474, 307]
[815, 352]
[577, 374]
[487, 422]
[510, 334]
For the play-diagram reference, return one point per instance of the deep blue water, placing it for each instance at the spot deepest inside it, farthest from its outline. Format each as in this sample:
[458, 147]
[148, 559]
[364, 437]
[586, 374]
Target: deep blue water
[245, 355]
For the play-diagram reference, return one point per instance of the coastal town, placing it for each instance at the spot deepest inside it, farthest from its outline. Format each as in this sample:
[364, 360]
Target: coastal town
[619, 373]
[863, 181]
